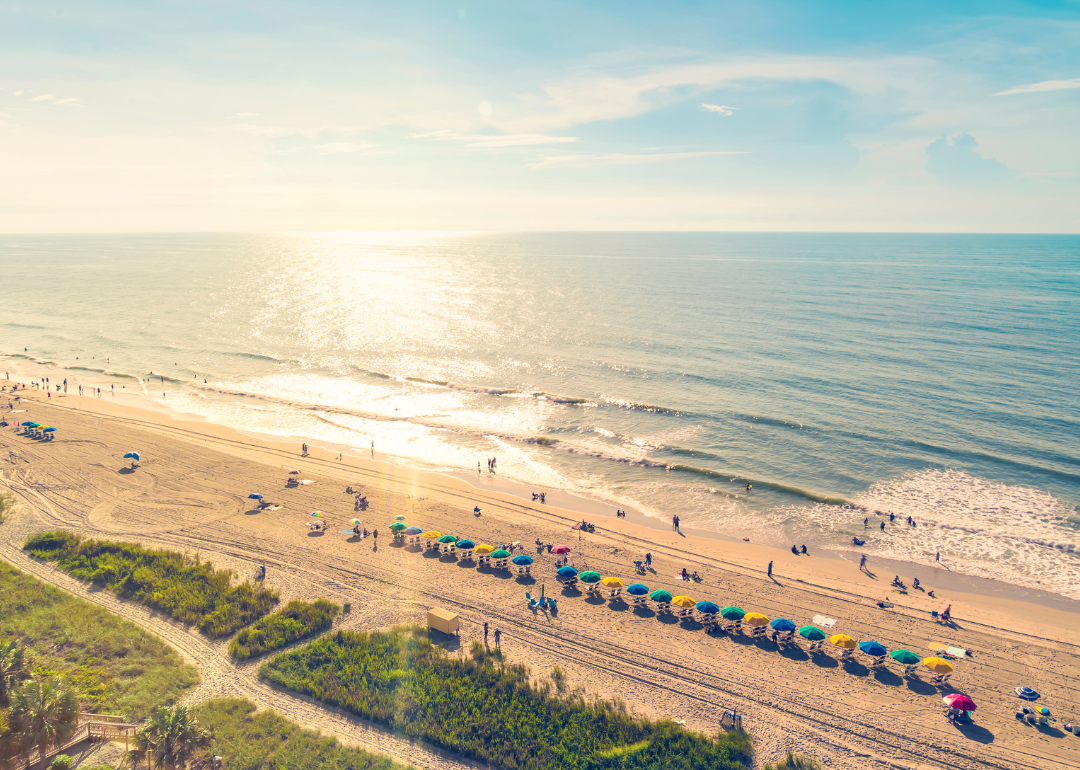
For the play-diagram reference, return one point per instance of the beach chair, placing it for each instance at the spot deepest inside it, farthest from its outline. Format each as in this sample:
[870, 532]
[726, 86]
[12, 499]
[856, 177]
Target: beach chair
[448, 548]
[523, 569]
[615, 593]
[501, 563]
[483, 560]
[663, 608]
[552, 604]
[465, 554]
[543, 602]
[707, 619]
[533, 603]
[639, 601]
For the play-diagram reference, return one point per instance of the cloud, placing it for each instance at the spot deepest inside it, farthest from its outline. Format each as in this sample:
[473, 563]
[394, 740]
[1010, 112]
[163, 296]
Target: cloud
[623, 159]
[957, 160]
[69, 100]
[43, 98]
[719, 108]
[1046, 85]
[20, 92]
[245, 114]
[494, 140]
[340, 148]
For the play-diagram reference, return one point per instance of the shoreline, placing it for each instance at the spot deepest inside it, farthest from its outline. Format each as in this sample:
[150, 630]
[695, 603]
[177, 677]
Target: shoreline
[749, 557]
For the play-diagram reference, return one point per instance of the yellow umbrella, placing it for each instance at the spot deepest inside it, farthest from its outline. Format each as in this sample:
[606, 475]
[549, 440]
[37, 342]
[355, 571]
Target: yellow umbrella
[484, 548]
[755, 619]
[684, 601]
[842, 640]
[612, 582]
[938, 665]
[432, 534]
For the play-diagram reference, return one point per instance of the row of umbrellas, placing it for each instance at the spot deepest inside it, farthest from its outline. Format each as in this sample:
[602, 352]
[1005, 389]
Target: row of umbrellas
[38, 426]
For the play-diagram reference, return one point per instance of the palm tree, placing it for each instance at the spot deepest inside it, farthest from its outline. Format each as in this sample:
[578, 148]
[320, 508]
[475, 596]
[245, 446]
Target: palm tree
[12, 668]
[169, 739]
[43, 713]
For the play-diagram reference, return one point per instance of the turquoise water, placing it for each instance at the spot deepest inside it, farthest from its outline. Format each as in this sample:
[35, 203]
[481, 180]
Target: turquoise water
[844, 376]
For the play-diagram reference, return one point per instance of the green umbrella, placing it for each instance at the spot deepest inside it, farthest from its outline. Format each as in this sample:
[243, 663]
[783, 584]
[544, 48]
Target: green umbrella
[589, 577]
[660, 596]
[904, 657]
[813, 634]
[447, 539]
[500, 554]
[732, 613]
[400, 517]
[397, 526]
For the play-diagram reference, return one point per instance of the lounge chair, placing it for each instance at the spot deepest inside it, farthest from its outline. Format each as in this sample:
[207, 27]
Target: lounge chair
[523, 569]
[552, 604]
[639, 601]
[615, 593]
[533, 603]
[501, 563]
[663, 607]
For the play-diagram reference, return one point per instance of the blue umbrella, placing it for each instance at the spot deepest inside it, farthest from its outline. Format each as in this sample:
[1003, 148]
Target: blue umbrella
[784, 625]
[49, 430]
[707, 608]
[566, 572]
[465, 545]
[413, 531]
[637, 589]
[873, 649]
[131, 456]
[522, 559]
[255, 496]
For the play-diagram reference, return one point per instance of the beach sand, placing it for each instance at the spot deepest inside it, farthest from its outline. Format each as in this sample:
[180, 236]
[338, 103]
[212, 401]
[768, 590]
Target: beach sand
[190, 494]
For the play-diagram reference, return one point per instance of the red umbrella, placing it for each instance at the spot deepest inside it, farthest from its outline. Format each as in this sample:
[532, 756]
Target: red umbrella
[561, 549]
[959, 702]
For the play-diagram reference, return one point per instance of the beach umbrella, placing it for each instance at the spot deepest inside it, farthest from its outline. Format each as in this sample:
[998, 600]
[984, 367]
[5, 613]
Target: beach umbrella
[400, 517]
[561, 549]
[431, 534]
[637, 589]
[589, 577]
[49, 430]
[904, 657]
[485, 548]
[35, 425]
[447, 539]
[255, 496]
[783, 625]
[464, 545]
[684, 601]
[317, 514]
[842, 640]
[355, 522]
[1042, 710]
[522, 560]
[500, 554]
[961, 702]
[707, 608]
[291, 473]
[813, 634]
[397, 526]
[755, 619]
[131, 456]
[873, 649]
[612, 582]
[660, 596]
[732, 613]
[938, 665]
[413, 531]
[565, 573]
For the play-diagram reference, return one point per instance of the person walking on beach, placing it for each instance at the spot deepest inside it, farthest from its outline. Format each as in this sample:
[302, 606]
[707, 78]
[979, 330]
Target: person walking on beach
[485, 633]
[862, 563]
[648, 560]
[866, 523]
[770, 569]
[498, 639]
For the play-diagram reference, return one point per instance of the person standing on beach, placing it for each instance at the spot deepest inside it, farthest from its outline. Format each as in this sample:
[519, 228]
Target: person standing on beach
[882, 526]
[485, 633]
[648, 560]
[674, 523]
[498, 638]
[770, 569]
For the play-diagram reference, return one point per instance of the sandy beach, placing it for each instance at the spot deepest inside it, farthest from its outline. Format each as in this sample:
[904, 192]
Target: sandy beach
[190, 493]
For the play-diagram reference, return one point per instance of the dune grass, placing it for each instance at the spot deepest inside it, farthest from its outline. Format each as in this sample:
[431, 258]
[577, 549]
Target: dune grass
[298, 620]
[795, 762]
[251, 740]
[169, 581]
[114, 666]
[7, 502]
[488, 711]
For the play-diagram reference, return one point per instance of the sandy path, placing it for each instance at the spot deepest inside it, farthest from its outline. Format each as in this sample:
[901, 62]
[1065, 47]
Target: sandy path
[192, 499]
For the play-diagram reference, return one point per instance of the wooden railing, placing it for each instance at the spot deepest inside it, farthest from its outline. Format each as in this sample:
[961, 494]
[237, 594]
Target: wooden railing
[93, 727]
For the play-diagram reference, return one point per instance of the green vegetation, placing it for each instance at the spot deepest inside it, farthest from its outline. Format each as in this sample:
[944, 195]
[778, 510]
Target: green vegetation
[795, 762]
[250, 740]
[169, 581]
[169, 739]
[113, 665]
[298, 620]
[43, 713]
[489, 711]
[6, 504]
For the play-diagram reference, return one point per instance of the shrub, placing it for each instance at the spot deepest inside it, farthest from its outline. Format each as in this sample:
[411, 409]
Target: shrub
[181, 587]
[486, 710]
[795, 762]
[114, 666]
[62, 762]
[298, 620]
[7, 502]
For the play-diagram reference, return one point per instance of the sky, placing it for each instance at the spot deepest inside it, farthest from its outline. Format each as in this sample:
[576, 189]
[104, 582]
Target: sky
[236, 115]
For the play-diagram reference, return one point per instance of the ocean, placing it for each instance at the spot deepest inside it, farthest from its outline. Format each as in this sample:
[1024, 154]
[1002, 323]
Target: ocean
[845, 377]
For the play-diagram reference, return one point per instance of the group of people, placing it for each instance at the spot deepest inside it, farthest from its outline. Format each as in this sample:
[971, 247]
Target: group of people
[620, 514]
[694, 576]
[675, 523]
[797, 551]
[541, 496]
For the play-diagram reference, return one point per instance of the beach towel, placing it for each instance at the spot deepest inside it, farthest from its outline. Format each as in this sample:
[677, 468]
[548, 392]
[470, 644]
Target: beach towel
[307, 481]
[824, 622]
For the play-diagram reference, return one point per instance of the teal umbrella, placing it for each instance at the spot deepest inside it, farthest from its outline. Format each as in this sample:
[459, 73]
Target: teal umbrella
[447, 539]
[589, 577]
[732, 613]
[500, 554]
[905, 657]
[466, 545]
[661, 596]
[815, 634]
